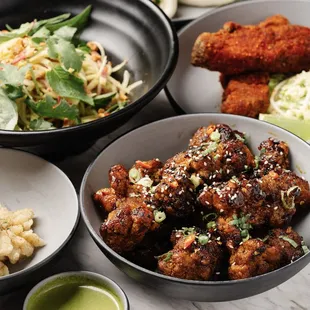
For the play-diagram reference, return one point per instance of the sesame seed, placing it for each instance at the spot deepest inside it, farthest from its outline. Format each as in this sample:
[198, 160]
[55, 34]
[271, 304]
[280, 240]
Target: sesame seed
[221, 210]
[275, 208]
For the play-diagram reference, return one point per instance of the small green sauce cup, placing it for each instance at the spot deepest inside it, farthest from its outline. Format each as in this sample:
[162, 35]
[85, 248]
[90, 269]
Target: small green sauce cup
[76, 290]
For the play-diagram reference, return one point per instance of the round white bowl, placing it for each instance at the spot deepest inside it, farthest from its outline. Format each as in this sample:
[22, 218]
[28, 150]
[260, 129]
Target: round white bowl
[27, 181]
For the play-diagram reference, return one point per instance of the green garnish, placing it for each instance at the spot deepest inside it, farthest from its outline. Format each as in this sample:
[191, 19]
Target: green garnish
[159, 216]
[212, 147]
[215, 135]
[304, 247]
[239, 138]
[256, 160]
[134, 175]
[211, 225]
[275, 79]
[188, 230]
[288, 203]
[168, 256]
[235, 180]
[195, 179]
[203, 239]
[242, 225]
[210, 216]
[263, 151]
[146, 182]
[290, 241]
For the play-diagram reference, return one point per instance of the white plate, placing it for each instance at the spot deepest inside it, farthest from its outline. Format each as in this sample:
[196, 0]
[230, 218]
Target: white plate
[27, 181]
[197, 90]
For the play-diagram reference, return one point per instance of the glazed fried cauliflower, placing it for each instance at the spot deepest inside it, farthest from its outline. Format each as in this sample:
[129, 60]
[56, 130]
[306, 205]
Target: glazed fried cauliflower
[212, 211]
[195, 256]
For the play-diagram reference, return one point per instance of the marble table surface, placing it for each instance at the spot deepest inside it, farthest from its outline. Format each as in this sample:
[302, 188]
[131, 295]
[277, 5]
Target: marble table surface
[83, 254]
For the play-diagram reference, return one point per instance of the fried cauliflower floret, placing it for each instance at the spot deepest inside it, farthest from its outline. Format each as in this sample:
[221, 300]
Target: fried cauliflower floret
[195, 256]
[119, 180]
[126, 226]
[106, 198]
[217, 153]
[274, 154]
[4, 270]
[288, 242]
[253, 258]
[175, 192]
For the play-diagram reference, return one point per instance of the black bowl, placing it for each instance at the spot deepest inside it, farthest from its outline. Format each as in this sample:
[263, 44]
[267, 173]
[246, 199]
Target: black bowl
[163, 139]
[133, 30]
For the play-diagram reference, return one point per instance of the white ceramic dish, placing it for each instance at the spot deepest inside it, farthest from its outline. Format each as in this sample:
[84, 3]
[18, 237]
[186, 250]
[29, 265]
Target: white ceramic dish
[163, 139]
[27, 181]
[100, 279]
[197, 90]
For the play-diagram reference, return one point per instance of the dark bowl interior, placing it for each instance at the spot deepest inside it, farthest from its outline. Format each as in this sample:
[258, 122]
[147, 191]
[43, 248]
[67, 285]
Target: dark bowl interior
[133, 30]
[174, 134]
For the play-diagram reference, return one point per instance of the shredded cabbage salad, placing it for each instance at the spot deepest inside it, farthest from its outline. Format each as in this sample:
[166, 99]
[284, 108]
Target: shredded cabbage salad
[290, 98]
[50, 79]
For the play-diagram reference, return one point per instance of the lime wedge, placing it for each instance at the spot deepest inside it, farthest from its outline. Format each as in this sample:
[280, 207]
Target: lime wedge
[298, 127]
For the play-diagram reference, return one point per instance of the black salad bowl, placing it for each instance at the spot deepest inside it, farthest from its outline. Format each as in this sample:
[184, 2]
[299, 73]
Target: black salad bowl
[163, 139]
[134, 30]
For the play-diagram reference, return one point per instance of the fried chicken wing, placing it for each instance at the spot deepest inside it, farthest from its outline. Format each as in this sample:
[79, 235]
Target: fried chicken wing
[246, 94]
[119, 180]
[106, 198]
[126, 226]
[195, 256]
[273, 46]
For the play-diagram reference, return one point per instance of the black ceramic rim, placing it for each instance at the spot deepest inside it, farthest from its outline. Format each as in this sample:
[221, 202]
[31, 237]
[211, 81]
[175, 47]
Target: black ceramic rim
[177, 108]
[98, 239]
[143, 100]
[37, 266]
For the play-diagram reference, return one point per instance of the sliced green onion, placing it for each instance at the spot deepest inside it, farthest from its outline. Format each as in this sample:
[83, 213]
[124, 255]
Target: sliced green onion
[195, 180]
[239, 138]
[212, 147]
[244, 233]
[146, 182]
[159, 216]
[210, 216]
[263, 151]
[188, 230]
[285, 204]
[203, 239]
[304, 247]
[216, 157]
[235, 180]
[153, 189]
[215, 135]
[292, 189]
[211, 224]
[134, 175]
[256, 160]
[290, 241]
[168, 256]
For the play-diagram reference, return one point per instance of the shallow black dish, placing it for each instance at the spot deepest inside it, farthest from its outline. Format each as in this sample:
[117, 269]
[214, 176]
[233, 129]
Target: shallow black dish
[174, 134]
[133, 30]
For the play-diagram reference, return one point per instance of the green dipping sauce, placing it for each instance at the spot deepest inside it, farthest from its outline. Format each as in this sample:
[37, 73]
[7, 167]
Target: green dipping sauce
[74, 293]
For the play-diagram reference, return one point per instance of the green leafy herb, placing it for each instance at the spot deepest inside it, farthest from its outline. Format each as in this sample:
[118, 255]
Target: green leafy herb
[78, 21]
[42, 33]
[53, 109]
[8, 112]
[10, 74]
[66, 32]
[84, 48]
[103, 100]
[23, 30]
[203, 239]
[67, 85]
[40, 124]
[290, 241]
[66, 52]
[49, 22]
[14, 92]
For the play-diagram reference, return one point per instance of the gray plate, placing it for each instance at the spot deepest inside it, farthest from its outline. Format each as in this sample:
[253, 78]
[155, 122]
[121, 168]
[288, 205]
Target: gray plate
[164, 139]
[187, 13]
[196, 90]
[27, 181]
